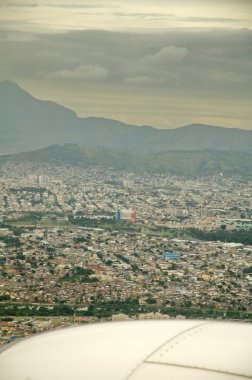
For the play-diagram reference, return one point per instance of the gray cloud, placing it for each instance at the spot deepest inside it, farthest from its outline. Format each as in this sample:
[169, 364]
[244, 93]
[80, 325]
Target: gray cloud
[175, 57]
[159, 73]
[140, 80]
[211, 19]
[54, 4]
[16, 4]
[173, 17]
[78, 5]
[169, 54]
[82, 72]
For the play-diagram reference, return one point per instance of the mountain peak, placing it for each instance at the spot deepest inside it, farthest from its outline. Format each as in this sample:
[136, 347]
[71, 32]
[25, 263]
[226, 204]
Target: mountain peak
[7, 84]
[27, 123]
[8, 88]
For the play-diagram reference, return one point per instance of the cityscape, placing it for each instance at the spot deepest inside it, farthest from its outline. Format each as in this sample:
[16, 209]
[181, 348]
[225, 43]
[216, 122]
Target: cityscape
[125, 189]
[66, 258]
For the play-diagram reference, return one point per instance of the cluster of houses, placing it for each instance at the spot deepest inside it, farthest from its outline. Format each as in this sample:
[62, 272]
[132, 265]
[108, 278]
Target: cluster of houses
[58, 263]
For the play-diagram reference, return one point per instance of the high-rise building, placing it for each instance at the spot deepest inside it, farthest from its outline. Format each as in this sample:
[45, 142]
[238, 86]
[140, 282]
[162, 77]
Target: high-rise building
[126, 214]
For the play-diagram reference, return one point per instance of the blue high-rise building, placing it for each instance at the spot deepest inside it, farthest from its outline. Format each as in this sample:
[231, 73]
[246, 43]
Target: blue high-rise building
[118, 215]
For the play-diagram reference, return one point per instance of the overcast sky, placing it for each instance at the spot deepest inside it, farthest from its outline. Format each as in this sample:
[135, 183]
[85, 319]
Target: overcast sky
[165, 63]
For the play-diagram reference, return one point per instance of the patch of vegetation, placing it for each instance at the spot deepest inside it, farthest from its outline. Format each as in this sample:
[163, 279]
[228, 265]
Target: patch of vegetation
[180, 162]
[79, 274]
[130, 307]
[234, 236]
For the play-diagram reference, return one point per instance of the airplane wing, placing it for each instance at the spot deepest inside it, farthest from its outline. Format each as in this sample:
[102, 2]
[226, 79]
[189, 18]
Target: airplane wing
[134, 350]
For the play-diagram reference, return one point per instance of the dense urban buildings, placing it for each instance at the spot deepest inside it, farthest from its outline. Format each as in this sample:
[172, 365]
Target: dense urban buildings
[64, 257]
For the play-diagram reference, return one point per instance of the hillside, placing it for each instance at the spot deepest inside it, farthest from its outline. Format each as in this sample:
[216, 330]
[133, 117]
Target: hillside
[27, 124]
[185, 163]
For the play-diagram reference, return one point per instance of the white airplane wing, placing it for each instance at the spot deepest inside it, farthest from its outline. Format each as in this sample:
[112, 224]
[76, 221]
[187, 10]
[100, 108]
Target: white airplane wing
[134, 350]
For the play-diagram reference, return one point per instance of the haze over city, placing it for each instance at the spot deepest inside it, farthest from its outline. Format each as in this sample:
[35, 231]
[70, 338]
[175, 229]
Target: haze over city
[162, 63]
[125, 189]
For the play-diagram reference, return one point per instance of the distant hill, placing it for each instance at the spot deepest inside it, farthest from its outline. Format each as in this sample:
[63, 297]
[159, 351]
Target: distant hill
[185, 163]
[27, 124]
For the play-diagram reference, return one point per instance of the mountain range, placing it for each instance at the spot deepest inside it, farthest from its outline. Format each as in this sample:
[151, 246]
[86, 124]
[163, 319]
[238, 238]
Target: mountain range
[182, 163]
[28, 124]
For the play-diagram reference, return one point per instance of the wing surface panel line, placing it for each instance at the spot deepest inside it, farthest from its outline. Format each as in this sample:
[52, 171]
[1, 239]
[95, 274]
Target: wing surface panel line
[198, 368]
[165, 343]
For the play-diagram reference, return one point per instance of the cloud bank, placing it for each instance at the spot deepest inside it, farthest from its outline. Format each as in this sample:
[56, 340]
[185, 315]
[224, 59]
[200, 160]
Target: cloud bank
[160, 63]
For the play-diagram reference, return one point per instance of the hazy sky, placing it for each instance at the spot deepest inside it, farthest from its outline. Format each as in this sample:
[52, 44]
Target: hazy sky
[164, 63]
